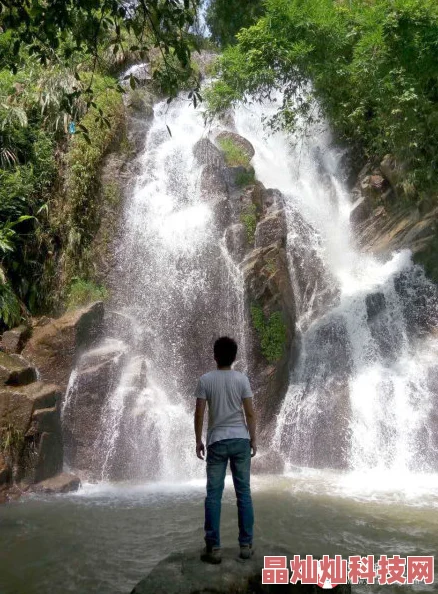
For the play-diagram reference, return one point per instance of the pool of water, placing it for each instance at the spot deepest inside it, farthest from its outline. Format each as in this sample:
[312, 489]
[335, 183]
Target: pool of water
[105, 538]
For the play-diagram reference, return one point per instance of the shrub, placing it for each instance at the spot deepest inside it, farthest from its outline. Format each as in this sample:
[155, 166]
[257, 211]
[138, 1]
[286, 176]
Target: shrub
[83, 292]
[234, 154]
[249, 219]
[271, 332]
[245, 178]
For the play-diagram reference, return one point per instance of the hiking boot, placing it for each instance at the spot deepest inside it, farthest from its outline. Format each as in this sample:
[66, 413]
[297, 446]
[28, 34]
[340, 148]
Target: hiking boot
[246, 551]
[211, 555]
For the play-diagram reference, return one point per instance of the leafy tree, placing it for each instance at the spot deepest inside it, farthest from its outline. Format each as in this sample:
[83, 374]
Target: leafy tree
[225, 18]
[76, 30]
[371, 66]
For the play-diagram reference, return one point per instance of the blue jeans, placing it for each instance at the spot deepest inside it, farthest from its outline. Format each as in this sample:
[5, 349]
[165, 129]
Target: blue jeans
[238, 451]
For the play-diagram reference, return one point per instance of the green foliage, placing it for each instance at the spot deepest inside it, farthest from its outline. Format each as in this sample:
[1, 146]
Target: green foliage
[372, 66]
[83, 158]
[271, 332]
[112, 193]
[226, 17]
[245, 178]
[11, 441]
[88, 30]
[233, 153]
[249, 218]
[428, 259]
[10, 309]
[83, 292]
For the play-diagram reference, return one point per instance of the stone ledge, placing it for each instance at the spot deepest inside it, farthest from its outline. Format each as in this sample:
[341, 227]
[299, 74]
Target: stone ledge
[184, 573]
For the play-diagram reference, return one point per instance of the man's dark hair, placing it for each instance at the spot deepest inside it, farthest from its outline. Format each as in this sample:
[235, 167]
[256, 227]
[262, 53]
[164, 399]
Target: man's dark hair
[225, 351]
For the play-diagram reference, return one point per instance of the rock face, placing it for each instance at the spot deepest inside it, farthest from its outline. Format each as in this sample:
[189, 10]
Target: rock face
[96, 374]
[30, 423]
[382, 223]
[31, 441]
[268, 288]
[15, 371]
[55, 347]
[255, 236]
[184, 573]
[13, 341]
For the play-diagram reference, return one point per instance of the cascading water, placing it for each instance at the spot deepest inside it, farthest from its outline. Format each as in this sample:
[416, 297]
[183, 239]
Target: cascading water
[362, 387]
[362, 394]
[177, 289]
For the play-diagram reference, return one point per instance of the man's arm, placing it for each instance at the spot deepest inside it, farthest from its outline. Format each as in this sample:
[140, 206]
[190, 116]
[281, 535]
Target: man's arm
[251, 422]
[199, 421]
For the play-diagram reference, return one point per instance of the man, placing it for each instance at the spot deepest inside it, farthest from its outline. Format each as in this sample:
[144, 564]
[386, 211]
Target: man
[228, 438]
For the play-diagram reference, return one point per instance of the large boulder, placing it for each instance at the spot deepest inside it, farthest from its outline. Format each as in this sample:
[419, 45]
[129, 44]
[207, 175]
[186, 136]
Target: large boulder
[13, 341]
[268, 287]
[236, 241]
[15, 371]
[62, 483]
[95, 376]
[270, 229]
[392, 170]
[18, 404]
[239, 141]
[184, 573]
[206, 153]
[30, 423]
[55, 347]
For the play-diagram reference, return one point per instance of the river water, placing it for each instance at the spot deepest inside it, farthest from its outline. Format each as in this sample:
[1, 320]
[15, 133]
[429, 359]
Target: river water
[105, 538]
[362, 396]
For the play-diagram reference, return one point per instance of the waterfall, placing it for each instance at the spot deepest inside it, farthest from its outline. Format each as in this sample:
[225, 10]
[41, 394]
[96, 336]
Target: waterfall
[364, 379]
[362, 394]
[176, 290]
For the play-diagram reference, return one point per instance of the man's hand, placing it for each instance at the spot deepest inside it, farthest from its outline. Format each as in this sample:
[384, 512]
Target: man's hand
[253, 445]
[200, 450]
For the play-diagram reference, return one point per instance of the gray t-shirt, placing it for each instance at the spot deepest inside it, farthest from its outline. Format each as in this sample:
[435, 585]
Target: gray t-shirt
[224, 390]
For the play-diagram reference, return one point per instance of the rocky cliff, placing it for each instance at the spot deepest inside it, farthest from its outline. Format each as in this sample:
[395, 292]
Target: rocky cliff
[384, 220]
[35, 365]
[254, 227]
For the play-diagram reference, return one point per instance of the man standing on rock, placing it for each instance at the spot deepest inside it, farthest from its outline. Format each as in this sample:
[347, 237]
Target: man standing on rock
[229, 437]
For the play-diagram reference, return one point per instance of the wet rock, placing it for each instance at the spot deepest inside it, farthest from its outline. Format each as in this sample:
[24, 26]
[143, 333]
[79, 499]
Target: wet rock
[392, 170]
[5, 470]
[141, 101]
[206, 153]
[239, 141]
[95, 376]
[213, 183]
[13, 341]
[235, 175]
[236, 242]
[29, 419]
[17, 404]
[189, 575]
[271, 229]
[15, 371]
[270, 462]
[55, 347]
[361, 210]
[268, 286]
[375, 304]
[272, 199]
[62, 483]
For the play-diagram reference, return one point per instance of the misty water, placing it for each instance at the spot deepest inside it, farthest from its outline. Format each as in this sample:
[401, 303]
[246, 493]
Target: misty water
[371, 378]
